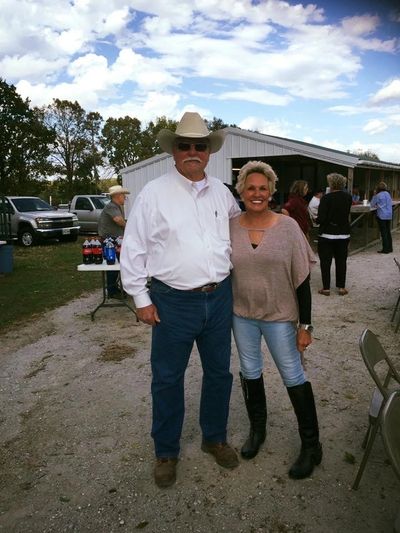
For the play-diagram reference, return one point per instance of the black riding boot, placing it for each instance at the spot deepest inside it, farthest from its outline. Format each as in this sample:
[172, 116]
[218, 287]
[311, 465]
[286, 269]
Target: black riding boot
[302, 399]
[256, 405]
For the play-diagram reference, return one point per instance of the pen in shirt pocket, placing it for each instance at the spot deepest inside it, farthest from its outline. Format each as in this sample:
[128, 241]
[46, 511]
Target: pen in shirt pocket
[216, 214]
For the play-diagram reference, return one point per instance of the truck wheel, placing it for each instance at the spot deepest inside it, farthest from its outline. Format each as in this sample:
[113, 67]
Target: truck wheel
[26, 237]
[68, 238]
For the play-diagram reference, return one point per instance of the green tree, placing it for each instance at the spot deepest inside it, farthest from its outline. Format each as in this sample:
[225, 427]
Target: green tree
[122, 142]
[149, 143]
[367, 154]
[92, 159]
[218, 124]
[24, 144]
[75, 152]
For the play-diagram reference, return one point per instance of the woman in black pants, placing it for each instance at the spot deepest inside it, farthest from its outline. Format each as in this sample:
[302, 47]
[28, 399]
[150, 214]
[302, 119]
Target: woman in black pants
[334, 233]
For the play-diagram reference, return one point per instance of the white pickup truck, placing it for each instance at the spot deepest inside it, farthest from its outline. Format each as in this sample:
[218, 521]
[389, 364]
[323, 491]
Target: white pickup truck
[88, 207]
[32, 219]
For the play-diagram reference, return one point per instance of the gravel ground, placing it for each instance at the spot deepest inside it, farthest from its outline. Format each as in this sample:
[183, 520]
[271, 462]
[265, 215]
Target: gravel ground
[75, 449]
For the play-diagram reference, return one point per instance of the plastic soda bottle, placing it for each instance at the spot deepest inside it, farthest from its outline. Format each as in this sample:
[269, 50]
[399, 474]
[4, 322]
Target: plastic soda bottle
[110, 252]
[97, 252]
[103, 246]
[118, 242]
[87, 255]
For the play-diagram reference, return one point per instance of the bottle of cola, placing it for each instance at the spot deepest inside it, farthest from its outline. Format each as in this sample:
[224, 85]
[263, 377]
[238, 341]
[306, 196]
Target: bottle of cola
[87, 255]
[97, 252]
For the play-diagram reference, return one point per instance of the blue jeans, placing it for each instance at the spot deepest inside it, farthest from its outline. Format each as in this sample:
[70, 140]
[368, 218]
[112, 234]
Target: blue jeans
[188, 317]
[112, 282]
[280, 338]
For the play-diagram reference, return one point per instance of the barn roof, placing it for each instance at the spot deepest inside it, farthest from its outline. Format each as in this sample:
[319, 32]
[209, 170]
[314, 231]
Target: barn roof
[244, 143]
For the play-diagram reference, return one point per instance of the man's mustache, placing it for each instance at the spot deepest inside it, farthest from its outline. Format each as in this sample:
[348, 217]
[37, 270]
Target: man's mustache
[192, 159]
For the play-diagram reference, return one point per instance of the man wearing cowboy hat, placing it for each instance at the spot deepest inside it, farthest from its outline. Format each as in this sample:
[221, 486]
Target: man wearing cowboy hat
[178, 235]
[112, 224]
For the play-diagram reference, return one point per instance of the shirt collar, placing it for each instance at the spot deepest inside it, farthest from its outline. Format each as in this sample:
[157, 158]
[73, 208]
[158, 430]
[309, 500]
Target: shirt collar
[189, 184]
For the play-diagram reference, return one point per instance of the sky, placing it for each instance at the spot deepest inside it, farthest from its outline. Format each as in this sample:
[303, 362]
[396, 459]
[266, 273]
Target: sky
[326, 73]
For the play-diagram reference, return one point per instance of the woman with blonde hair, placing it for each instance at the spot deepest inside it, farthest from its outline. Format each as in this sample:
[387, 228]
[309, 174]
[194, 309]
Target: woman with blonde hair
[272, 300]
[334, 233]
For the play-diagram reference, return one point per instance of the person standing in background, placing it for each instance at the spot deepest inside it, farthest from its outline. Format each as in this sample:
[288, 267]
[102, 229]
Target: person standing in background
[355, 196]
[296, 206]
[384, 212]
[112, 224]
[334, 233]
[314, 204]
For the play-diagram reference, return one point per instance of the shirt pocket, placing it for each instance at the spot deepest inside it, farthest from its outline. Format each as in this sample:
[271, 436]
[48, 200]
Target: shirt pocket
[222, 226]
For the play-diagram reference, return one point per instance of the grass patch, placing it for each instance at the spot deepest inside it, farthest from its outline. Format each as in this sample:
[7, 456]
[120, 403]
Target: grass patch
[116, 353]
[43, 278]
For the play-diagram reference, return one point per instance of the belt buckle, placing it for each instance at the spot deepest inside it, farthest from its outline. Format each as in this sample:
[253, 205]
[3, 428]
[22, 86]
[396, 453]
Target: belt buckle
[210, 287]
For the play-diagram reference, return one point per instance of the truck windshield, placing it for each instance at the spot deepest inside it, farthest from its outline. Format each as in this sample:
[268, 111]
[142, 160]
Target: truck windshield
[100, 201]
[23, 205]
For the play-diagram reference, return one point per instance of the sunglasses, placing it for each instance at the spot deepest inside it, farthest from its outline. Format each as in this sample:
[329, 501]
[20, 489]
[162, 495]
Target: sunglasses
[185, 147]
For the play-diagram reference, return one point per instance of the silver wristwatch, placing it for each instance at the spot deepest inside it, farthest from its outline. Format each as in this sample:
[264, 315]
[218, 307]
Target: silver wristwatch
[307, 327]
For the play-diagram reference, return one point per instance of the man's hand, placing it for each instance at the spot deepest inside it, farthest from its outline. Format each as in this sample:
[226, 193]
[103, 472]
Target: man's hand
[148, 314]
[120, 221]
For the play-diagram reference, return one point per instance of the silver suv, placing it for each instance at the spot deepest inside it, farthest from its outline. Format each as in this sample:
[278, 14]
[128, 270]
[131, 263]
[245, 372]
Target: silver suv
[32, 220]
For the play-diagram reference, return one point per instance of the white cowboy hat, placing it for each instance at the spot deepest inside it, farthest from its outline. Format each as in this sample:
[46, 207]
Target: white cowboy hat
[117, 189]
[191, 126]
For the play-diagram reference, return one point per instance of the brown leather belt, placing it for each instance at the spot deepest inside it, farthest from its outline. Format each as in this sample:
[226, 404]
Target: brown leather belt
[210, 287]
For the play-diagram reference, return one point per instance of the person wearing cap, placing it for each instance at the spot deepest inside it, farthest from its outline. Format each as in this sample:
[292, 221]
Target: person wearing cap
[112, 224]
[177, 234]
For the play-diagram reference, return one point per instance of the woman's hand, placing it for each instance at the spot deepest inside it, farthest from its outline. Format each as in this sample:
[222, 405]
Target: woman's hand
[303, 339]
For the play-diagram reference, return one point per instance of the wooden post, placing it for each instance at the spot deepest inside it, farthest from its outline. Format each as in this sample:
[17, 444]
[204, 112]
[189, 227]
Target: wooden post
[368, 184]
[350, 176]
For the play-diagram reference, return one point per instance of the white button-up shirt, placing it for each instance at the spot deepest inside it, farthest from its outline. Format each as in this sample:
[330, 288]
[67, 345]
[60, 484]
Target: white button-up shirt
[178, 235]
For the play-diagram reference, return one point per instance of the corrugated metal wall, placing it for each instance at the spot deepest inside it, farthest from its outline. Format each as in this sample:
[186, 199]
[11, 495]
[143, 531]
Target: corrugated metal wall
[134, 178]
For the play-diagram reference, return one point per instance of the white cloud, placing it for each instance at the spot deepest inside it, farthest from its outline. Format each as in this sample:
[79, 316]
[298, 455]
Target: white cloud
[149, 59]
[360, 25]
[389, 152]
[258, 96]
[39, 94]
[375, 126]
[146, 73]
[144, 107]
[358, 29]
[347, 110]
[52, 30]
[279, 128]
[31, 66]
[70, 41]
[389, 92]
[267, 45]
